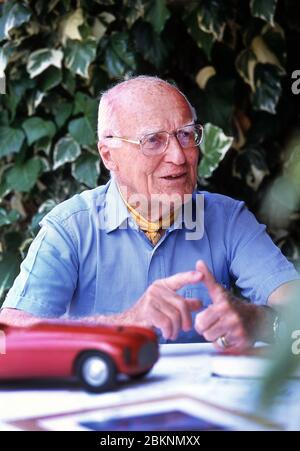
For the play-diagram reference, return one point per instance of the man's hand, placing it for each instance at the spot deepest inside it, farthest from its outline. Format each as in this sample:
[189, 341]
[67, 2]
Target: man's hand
[233, 319]
[161, 307]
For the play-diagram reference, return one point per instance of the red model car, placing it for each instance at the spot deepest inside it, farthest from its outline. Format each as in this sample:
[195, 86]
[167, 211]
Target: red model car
[94, 354]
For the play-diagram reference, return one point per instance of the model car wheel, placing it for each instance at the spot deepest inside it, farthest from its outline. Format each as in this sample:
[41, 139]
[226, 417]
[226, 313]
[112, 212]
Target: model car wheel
[96, 371]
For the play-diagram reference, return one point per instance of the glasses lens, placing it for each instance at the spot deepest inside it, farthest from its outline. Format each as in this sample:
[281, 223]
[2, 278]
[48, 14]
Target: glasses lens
[190, 136]
[154, 143]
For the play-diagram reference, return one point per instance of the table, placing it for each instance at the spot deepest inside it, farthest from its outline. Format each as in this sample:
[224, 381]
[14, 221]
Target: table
[181, 380]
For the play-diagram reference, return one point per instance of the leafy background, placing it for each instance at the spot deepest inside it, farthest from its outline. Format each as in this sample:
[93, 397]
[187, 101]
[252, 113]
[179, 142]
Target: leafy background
[234, 60]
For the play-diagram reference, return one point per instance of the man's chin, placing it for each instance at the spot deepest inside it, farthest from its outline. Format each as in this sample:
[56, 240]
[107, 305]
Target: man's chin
[170, 200]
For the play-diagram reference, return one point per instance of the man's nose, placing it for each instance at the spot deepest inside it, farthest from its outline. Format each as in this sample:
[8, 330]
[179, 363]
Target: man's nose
[174, 152]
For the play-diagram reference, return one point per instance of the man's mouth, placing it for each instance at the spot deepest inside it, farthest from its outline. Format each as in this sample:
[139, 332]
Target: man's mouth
[175, 177]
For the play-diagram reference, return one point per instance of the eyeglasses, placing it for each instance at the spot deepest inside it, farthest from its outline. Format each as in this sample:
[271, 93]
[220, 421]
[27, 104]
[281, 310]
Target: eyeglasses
[156, 143]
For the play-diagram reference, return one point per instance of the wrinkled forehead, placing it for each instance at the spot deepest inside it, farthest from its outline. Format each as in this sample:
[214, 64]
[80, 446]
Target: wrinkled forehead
[142, 109]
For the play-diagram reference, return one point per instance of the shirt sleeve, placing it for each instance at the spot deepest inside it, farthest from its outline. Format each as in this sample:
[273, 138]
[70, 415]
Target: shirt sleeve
[48, 275]
[256, 264]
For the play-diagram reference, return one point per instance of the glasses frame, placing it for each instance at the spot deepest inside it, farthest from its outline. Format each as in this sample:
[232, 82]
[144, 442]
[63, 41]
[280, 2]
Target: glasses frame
[174, 133]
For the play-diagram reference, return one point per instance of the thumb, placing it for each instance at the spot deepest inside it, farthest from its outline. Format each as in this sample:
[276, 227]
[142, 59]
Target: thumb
[215, 290]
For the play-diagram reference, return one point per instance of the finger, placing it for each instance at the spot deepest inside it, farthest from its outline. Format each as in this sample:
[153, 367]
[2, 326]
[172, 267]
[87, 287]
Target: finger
[162, 322]
[180, 279]
[171, 304]
[185, 308]
[206, 319]
[216, 291]
[169, 310]
[216, 331]
[176, 319]
[236, 346]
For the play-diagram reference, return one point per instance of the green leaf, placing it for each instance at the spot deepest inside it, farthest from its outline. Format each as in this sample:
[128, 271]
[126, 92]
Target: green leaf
[4, 188]
[17, 15]
[86, 170]
[218, 106]
[213, 148]
[211, 18]
[150, 45]
[86, 105]
[264, 9]
[274, 38]
[61, 111]
[11, 140]
[245, 64]
[4, 118]
[9, 269]
[101, 24]
[16, 90]
[79, 55]
[203, 39]
[50, 78]
[43, 144]
[135, 10]
[82, 131]
[157, 14]
[45, 164]
[268, 88]
[69, 27]
[69, 81]
[7, 218]
[22, 177]
[13, 241]
[250, 166]
[66, 150]
[36, 128]
[40, 60]
[266, 55]
[118, 56]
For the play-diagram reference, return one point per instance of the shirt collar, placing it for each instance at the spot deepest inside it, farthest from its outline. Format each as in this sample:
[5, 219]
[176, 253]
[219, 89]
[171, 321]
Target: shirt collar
[116, 212]
[118, 216]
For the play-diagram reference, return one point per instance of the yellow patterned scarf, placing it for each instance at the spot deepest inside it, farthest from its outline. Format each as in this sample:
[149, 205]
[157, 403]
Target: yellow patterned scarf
[153, 230]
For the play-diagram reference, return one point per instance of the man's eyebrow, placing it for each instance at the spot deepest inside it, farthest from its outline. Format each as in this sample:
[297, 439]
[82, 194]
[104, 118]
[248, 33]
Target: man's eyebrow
[147, 131]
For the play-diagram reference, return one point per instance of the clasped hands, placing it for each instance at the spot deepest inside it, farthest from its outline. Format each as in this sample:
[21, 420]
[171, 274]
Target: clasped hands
[228, 322]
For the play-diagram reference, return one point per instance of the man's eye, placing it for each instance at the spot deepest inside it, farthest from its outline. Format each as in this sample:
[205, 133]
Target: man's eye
[153, 140]
[186, 134]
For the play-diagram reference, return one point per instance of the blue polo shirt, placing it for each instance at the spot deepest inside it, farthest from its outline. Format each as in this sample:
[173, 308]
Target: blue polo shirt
[90, 257]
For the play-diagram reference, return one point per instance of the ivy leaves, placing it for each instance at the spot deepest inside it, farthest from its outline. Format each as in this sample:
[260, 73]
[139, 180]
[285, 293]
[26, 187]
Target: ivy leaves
[66, 150]
[23, 176]
[264, 9]
[261, 65]
[79, 55]
[118, 56]
[36, 128]
[15, 15]
[11, 140]
[214, 147]
[40, 60]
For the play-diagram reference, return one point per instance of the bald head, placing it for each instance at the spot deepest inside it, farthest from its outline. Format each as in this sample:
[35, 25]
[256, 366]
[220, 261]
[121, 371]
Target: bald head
[123, 99]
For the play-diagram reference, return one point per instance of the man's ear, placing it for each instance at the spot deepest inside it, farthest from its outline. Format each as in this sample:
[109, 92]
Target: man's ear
[106, 155]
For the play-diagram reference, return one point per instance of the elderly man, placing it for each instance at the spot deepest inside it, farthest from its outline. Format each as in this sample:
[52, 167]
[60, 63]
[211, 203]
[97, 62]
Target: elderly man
[125, 252]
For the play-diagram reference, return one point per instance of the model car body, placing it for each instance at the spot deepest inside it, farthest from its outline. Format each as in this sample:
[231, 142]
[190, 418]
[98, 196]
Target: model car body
[94, 354]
